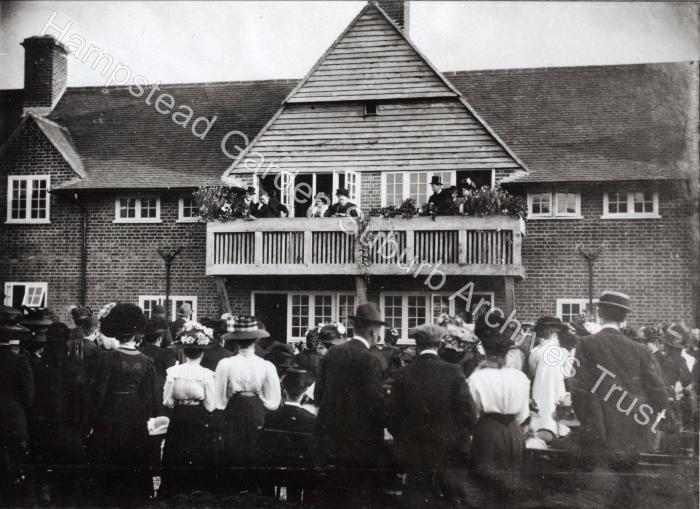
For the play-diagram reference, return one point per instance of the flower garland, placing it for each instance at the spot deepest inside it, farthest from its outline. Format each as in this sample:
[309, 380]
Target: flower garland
[194, 333]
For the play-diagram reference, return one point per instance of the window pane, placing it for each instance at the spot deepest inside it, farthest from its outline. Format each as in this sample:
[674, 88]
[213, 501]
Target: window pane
[570, 311]
[541, 203]
[323, 308]
[441, 305]
[566, 203]
[346, 307]
[418, 187]
[127, 208]
[394, 189]
[189, 208]
[393, 311]
[39, 199]
[19, 199]
[300, 315]
[148, 305]
[644, 202]
[33, 295]
[445, 177]
[416, 310]
[617, 203]
[149, 207]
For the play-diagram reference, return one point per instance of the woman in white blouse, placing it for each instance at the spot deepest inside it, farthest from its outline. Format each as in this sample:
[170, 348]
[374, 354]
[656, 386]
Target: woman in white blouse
[247, 386]
[501, 396]
[189, 391]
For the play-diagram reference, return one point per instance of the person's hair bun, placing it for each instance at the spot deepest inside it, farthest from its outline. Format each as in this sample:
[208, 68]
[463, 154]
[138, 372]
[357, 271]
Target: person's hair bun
[124, 320]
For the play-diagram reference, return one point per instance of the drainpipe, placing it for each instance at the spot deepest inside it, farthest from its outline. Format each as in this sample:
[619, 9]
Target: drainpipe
[82, 299]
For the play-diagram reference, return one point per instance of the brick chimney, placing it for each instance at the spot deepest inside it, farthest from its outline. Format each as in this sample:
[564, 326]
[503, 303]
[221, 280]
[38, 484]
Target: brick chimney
[45, 73]
[397, 10]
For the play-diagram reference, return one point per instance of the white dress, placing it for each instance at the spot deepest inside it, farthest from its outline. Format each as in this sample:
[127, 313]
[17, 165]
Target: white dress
[548, 365]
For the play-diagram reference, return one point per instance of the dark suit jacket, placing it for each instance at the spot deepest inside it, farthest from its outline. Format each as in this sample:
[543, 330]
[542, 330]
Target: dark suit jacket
[286, 437]
[337, 208]
[430, 413]
[605, 428]
[212, 356]
[350, 423]
[273, 208]
[16, 396]
[443, 201]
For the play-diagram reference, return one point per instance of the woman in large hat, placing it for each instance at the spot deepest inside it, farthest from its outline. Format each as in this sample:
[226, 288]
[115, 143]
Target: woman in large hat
[124, 398]
[189, 391]
[501, 395]
[246, 387]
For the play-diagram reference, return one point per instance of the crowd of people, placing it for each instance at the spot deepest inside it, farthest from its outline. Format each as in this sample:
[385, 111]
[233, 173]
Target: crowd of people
[97, 408]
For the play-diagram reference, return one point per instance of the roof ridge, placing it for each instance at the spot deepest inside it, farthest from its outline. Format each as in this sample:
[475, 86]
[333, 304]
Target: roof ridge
[534, 69]
[182, 84]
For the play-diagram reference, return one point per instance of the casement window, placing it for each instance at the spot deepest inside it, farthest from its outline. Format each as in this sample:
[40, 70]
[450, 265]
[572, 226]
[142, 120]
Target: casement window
[405, 310]
[188, 212]
[568, 309]
[32, 295]
[399, 186]
[137, 209]
[550, 205]
[630, 204]
[306, 310]
[28, 199]
[148, 302]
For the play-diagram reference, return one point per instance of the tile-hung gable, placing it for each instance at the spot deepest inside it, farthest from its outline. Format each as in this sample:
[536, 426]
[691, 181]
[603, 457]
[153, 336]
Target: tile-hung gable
[374, 103]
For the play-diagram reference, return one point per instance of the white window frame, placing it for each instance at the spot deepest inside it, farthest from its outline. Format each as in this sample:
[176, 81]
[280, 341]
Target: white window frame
[631, 214]
[581, 302]
[173, 307]
[43, 286]
[181, 211]
[553, 214]
[138, 218]
[407, 180]
[335, 311]
[30, 179]
[403, 333]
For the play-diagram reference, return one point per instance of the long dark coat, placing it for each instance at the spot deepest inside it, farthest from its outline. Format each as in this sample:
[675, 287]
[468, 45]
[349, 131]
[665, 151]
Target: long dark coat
[16, 396]
[430, 414]
[615, 423]
[350, 423]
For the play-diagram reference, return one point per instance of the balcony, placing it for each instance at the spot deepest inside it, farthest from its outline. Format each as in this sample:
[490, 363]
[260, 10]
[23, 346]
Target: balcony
[461, 245]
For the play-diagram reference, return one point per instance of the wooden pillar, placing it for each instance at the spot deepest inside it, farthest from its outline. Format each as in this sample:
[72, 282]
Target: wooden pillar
[224, 303]
[360, 290]
[510, 294]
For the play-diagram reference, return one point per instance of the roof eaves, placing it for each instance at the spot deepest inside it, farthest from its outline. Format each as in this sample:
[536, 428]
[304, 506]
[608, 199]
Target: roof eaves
[66, 149]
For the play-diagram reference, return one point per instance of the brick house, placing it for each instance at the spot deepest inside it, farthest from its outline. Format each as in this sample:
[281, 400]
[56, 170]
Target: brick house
[96, 179]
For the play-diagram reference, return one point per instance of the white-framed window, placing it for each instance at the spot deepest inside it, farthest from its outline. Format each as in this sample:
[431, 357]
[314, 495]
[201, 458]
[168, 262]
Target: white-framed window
[568, 309]
[188, 212]
[405, 310]
[399, 186]
[307, 309]
[148, 302]
[630, 204]
[558, 204]
[137, 209]
[28, 199]
[32, 295]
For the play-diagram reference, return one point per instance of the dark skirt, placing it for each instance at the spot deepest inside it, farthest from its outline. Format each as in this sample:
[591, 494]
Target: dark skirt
[497, 452]
[243, 419]
[189, 443]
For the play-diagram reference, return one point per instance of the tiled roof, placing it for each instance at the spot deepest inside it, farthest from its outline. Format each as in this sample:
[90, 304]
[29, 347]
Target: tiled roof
[620, 122]
[371, 59]
[124, 142]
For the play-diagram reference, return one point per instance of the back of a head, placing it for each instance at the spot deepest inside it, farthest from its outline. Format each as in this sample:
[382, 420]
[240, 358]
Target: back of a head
[123, 321]
[488, 328]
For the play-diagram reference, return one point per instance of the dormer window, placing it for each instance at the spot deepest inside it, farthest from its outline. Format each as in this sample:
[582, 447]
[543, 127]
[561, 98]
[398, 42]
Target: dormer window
[370, 109]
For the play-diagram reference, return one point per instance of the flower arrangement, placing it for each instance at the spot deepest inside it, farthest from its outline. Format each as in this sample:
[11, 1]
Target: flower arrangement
[220, 203]
[491, 201]
[339, 327]
[105, 310]
[194, 334]
[391, 335]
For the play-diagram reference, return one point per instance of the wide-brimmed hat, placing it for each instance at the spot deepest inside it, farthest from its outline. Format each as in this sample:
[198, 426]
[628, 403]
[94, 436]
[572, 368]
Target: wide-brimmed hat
[547, 322]
[155, 327]
[436, 181]
[185, 310]
[329, 335]
[12, 334]
[251, 190]
[427, 334]
[194, 336]
[245, 328]
[676, 336]
[342, 192]
[58, 332]
[80, 313]
[615, 299]
[368, 313]
[36, 319]
[10, 315]
[122, 320]
[489, 332]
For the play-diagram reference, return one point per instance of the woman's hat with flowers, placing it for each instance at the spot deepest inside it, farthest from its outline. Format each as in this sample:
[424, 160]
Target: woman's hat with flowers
[194, 335]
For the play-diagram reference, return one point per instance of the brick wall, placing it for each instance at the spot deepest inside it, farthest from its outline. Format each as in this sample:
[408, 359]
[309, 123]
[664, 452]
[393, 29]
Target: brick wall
[45, 71]
[647, 258]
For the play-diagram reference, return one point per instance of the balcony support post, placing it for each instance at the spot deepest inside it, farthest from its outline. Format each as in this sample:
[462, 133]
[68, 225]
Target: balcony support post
[509, 283]
[224, 303]
[360, 290]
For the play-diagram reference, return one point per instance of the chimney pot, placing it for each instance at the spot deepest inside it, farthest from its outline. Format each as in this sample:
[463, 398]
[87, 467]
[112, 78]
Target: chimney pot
[45, 73]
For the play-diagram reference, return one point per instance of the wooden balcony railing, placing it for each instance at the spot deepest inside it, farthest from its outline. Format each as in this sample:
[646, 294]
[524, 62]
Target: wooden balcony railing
[461, 245]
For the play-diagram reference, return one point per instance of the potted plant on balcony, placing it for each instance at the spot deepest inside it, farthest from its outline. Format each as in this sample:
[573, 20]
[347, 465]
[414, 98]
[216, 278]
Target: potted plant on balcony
[220, 203]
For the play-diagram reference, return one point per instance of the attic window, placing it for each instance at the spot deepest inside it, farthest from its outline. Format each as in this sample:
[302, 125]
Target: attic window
[370, 109]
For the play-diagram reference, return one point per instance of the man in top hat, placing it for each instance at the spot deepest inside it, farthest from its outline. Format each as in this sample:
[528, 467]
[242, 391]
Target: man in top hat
[430, 415]
[343, 207]
[16, 387]
[441, 199]
[618, 393]
[350, 423]
[547, 368]
[270, 206]
[249, 201]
